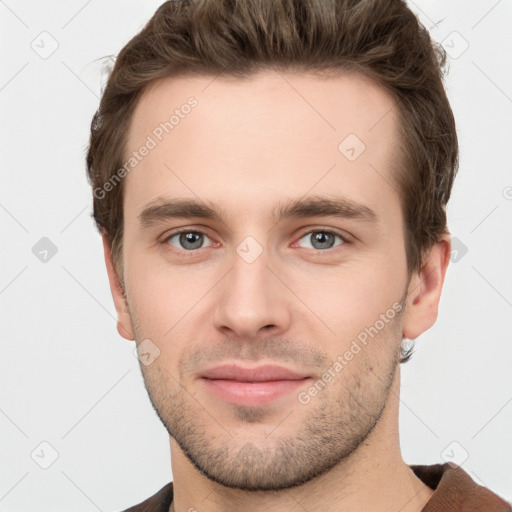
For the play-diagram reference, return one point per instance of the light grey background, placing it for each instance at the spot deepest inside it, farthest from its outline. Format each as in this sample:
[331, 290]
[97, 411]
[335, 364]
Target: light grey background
[69, 380]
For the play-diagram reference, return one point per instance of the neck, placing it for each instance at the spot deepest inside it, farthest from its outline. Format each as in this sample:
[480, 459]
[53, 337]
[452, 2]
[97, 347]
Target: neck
[373, 478]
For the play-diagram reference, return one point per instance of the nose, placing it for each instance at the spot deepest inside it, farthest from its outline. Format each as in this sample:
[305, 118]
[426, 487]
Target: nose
[252, 300]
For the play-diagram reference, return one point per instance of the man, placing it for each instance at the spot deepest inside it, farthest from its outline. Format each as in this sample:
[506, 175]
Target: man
[270, 179]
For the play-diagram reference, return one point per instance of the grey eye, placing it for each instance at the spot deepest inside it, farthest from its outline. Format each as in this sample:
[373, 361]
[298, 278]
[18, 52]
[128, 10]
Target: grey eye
[322, 239]
[188, 240]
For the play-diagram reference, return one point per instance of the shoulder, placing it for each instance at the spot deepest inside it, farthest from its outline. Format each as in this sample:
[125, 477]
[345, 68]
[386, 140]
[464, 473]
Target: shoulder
[159, 502]
[456, 490]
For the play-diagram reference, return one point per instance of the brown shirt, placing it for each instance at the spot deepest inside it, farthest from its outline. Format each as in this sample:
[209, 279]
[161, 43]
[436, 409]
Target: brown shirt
[455, 491]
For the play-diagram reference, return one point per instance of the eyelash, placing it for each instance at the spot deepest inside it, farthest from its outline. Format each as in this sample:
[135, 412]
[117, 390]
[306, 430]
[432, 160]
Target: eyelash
[192, 253]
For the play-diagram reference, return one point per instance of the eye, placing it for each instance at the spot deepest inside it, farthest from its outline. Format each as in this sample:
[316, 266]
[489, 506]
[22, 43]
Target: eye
[322, 239]
[188, 240]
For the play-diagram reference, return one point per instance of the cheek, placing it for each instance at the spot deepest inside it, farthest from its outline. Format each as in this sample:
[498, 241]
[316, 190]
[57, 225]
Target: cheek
[350, 297]
[165, 298]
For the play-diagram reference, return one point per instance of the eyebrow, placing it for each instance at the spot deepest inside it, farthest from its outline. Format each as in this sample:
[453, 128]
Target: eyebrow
[316, 206]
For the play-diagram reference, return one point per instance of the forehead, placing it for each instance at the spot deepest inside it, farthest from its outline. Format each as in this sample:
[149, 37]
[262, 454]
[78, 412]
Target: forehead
[224, 138]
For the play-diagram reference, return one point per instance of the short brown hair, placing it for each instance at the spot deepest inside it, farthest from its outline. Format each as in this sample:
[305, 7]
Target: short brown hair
[382, 39]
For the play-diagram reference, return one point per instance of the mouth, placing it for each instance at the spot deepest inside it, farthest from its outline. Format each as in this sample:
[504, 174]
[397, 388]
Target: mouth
[257, 386]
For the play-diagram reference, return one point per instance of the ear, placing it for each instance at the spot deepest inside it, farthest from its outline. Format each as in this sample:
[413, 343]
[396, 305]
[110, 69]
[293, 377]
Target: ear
[124, 324]
[424, 290]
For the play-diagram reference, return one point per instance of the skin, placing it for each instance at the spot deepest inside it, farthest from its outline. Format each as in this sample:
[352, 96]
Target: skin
[247, 146]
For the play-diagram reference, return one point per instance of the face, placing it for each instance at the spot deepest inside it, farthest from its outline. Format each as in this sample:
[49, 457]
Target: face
[271, 312]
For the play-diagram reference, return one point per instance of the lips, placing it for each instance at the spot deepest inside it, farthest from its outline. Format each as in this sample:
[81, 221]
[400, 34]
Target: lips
[257, 386]
[258, 374]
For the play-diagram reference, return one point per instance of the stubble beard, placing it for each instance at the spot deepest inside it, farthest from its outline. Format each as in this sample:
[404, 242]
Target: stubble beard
[332, 426]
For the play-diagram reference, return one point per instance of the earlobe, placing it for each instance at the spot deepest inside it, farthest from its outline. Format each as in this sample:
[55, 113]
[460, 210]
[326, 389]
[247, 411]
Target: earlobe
[128, 335]
[124, 325]
[425, 288]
